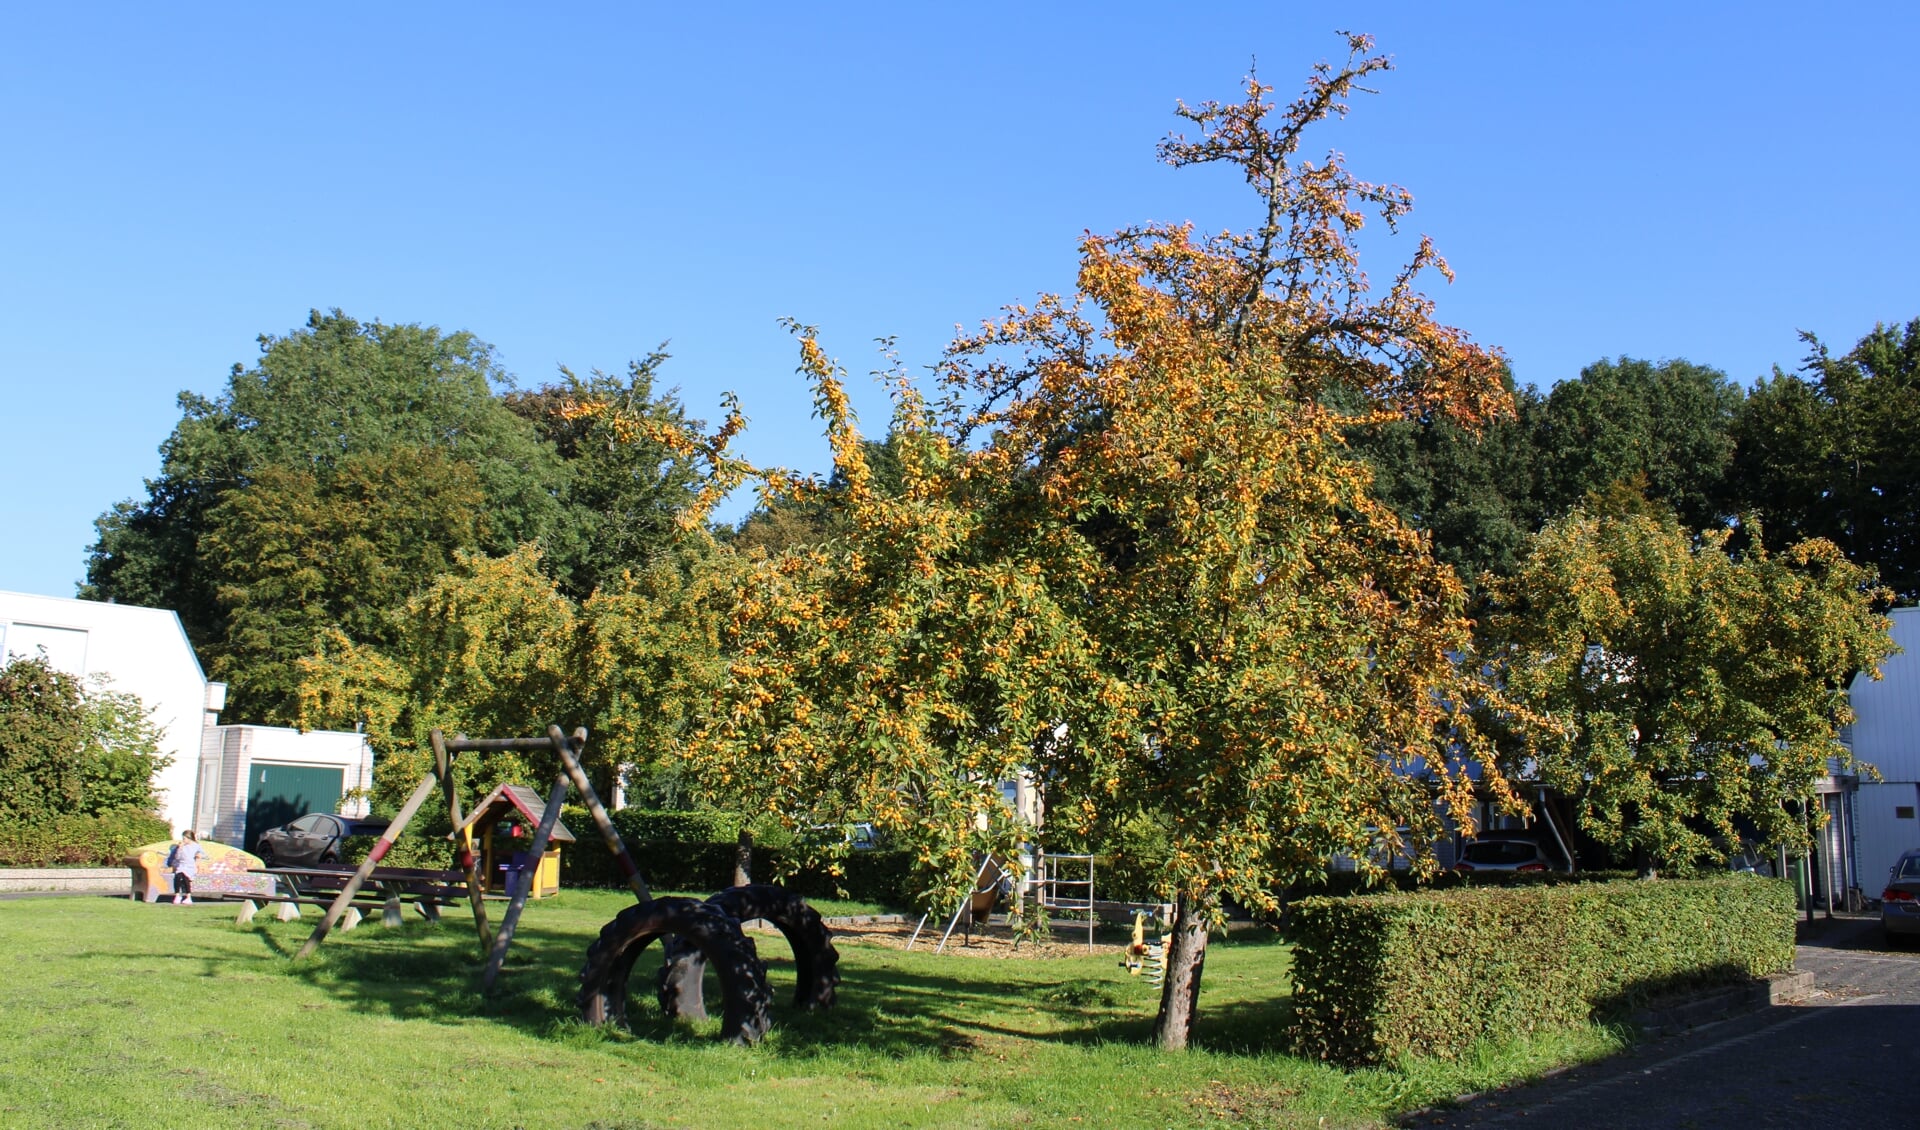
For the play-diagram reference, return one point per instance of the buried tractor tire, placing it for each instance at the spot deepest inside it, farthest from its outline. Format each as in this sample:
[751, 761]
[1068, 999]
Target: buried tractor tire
[816, 963]
[705, 929]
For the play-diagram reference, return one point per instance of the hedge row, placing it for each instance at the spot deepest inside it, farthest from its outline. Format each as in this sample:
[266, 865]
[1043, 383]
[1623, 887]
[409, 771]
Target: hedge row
[870, 876]
[1379, 977]
[1342, 883]
[101, 841]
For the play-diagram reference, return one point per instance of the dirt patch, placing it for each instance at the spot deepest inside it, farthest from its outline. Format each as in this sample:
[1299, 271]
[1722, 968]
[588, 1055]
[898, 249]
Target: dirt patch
[993, 941]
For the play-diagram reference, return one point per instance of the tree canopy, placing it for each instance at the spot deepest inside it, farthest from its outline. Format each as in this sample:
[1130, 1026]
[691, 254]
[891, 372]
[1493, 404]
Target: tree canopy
[1835, 453]
[337, 477]
[1694, 693]
[1132, 553]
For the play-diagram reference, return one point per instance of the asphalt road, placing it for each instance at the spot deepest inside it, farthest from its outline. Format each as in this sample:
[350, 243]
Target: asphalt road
[1849, 1055]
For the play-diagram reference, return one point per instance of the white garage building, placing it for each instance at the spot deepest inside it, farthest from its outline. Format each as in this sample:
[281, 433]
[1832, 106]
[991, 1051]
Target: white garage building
[220, 775]
[1886, 735]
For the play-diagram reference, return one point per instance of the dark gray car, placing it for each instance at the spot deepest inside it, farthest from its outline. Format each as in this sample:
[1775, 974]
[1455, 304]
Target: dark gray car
[1900, 902]
[314, 838]
[1507, 851]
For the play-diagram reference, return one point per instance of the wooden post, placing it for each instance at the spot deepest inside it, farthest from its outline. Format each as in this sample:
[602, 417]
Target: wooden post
[345, 898]
[523, 882]
[568, 749]
[476, 889]
[743, 858]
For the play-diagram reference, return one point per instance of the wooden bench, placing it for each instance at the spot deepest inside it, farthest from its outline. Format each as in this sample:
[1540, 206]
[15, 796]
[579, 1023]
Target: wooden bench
[392, 887]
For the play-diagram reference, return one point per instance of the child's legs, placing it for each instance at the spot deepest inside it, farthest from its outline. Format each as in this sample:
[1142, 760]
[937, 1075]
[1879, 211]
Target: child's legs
[183, 885]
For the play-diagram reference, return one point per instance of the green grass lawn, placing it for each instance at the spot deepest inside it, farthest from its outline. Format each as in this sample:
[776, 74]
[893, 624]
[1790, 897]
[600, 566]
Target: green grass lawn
[121, 1014]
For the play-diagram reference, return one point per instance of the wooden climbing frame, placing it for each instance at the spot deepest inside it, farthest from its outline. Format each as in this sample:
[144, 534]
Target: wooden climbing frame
[571, 776]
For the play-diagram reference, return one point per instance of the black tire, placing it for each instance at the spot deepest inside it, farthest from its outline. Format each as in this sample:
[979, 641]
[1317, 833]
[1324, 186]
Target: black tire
[815, 960]
[266, 856]
[711, 933]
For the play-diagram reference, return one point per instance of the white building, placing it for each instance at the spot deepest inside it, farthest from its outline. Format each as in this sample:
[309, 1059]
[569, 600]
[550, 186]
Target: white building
[219, 774]
[141, 651]
[257, 777]
[1886, 735]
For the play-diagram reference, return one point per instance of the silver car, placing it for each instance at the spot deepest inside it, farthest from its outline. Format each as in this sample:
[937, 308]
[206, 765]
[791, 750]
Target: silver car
[1900, 902]
[1506, 851]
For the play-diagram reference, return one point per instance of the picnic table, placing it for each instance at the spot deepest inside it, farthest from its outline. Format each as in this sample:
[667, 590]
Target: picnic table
[428, 890]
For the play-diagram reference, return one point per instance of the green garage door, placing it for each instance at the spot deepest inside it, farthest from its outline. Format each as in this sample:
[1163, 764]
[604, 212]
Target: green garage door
[279, 793]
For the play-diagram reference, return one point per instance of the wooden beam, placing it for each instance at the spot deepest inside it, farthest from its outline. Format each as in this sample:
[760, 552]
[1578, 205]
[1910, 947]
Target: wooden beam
[476, 887]
[569, 749]
[345, 898]
[523, 882]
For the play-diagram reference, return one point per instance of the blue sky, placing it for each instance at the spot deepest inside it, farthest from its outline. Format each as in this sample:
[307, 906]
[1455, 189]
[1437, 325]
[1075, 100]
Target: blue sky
[577, 185]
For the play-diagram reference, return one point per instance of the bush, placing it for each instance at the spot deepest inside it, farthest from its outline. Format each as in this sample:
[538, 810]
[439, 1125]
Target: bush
[1344, 883]
[694, 851]
[1379, 977]
[101, 841]
[643, 824]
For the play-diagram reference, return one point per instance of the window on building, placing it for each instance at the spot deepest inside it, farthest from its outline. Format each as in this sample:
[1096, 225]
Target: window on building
[65, 648]
[1903, 812]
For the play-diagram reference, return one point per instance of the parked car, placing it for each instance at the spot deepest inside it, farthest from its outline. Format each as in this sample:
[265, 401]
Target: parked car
[1507, 851]
[314, 838]
[1900, 902]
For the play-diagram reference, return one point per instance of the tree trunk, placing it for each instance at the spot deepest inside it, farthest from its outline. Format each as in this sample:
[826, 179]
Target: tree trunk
[1180, 994]
[743, 859]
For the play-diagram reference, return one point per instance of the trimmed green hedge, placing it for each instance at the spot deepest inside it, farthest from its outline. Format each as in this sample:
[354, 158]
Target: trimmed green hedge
[1341, 883]
[704, 826]
[98, 840]
[1383, 976]
[871, 876]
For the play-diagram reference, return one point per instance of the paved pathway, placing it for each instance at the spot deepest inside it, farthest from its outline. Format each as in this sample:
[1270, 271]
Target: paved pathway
[1849, 1055]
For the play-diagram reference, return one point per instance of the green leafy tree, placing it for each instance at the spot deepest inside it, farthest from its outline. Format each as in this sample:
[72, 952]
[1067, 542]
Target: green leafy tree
[1692, 690]
[324, 414]
[1624, 419]
[488, 648]
[70, 749]
[1835, 453]
[652, 657]
[1132, 552]
[625, 487]
[301, 551]
[1475, 490]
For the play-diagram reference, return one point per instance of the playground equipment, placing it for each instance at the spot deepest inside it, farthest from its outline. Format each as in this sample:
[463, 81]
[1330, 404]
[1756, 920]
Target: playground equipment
[701, 934]
[976, 906]
[1144, 955]
[701, 926]
[695, 935]
[571, 775]
[520, 808]
[1047, 882]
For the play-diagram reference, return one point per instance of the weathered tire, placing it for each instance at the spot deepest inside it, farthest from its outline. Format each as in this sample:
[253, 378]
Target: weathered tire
[815, 960]
[709, 931]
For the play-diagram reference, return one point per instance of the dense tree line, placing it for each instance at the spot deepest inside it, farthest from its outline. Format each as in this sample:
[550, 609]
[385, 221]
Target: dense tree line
[349, 467]
[1831, 451]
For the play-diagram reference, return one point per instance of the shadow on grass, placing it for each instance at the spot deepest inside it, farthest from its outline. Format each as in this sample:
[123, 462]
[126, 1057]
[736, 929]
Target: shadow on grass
[432, 973]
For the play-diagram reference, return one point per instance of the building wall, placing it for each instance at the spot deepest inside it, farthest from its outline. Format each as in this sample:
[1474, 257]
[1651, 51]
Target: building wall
[1886, 735]
[230, 753]
[141, 651]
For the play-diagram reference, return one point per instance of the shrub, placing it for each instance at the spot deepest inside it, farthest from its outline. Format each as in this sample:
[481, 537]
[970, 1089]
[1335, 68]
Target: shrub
[694, 851]
[72, 748]
[643, 824]
[101, 840]
[1343, 883]
[1379, 977]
